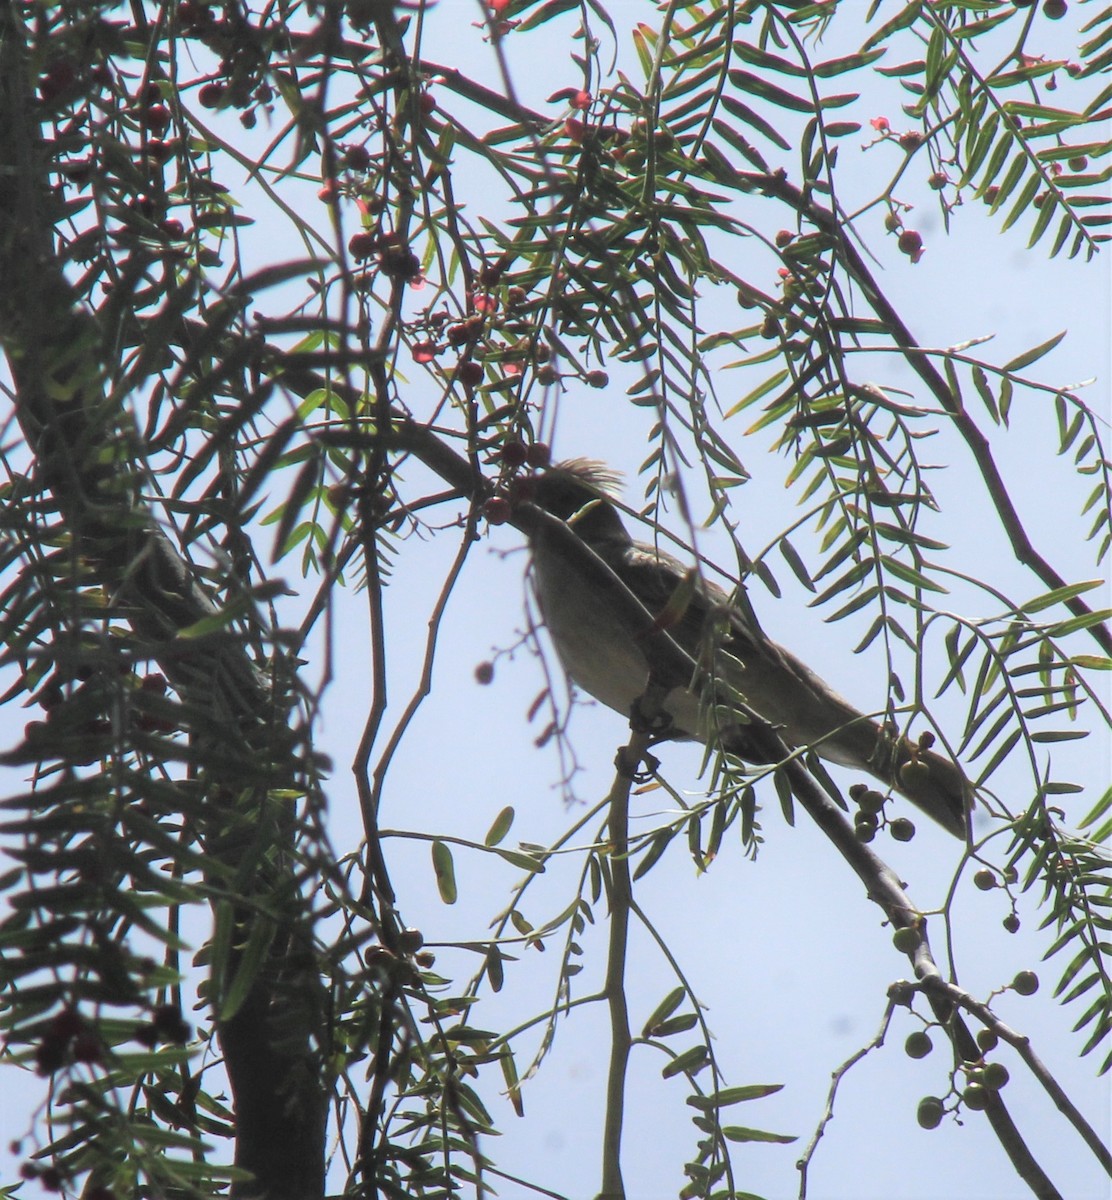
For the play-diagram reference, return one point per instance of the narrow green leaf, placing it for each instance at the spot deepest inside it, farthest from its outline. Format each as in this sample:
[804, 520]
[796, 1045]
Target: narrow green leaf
[738, 1133]
[753, 119]
[904, 19]
[1085, 621]
[799, 568]
[734, 1095]
[910, 575]
[690, 1060]
[500, 827]
[509, 1074]
[838, 66]
[1033, 355]
[1058, 595]
[1023, 202]
[247, 967]
[445, 870]
[754, 85]
[657, 846]
[663, 1010]
[980, 382]
[674, 1025]
[520, 859]
[854, 575]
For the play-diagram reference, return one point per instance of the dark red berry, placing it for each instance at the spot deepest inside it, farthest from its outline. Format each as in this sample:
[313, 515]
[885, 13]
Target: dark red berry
[356, 158]
[470, 373]
[514, 453]
[362, 245]
[497, 510]
[156, 118]
[211, 94]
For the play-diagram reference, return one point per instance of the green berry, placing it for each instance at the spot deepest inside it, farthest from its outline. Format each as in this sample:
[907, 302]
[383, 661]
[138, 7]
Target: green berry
[1026, 983]
[995, 1076]
[870, 801]
[906, 940]
[918, 1044]
[930, 1112]
[987, 1040]
[975, 1097]
[902, 829]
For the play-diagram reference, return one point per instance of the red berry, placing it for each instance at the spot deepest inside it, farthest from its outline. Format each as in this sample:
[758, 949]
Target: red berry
[514, 453]
[58, 78]
[490, 274]
[66, 1024]
[464, 331]
[363, 245]
[597, 379]
[144, 205]
[581, 101]
[424, 352]
[50, 1056]
[911, 140]
[784, 238]
[470, 373]
[158, 151]
[87, 1048]
[497, 510]
[427, 103]
[211, 94]
[911, 242]
[538, 456]
[399, 261]
[575, 129]
[356, 158]
[484, 673]
[156, 118]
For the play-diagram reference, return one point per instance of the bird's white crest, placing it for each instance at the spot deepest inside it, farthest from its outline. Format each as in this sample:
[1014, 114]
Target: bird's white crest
[595, 473]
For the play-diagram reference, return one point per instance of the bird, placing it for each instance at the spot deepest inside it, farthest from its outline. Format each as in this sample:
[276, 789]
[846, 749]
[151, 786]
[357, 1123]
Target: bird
[606, 659]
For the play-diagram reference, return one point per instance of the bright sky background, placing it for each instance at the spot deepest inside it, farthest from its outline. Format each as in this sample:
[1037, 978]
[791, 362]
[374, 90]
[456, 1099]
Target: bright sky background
[786, 954]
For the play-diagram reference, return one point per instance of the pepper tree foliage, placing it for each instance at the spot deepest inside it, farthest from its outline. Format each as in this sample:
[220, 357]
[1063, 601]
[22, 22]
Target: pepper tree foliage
[205, 990]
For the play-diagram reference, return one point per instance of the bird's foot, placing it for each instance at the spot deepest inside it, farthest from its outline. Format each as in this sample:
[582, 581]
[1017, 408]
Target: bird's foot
[628, 768]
